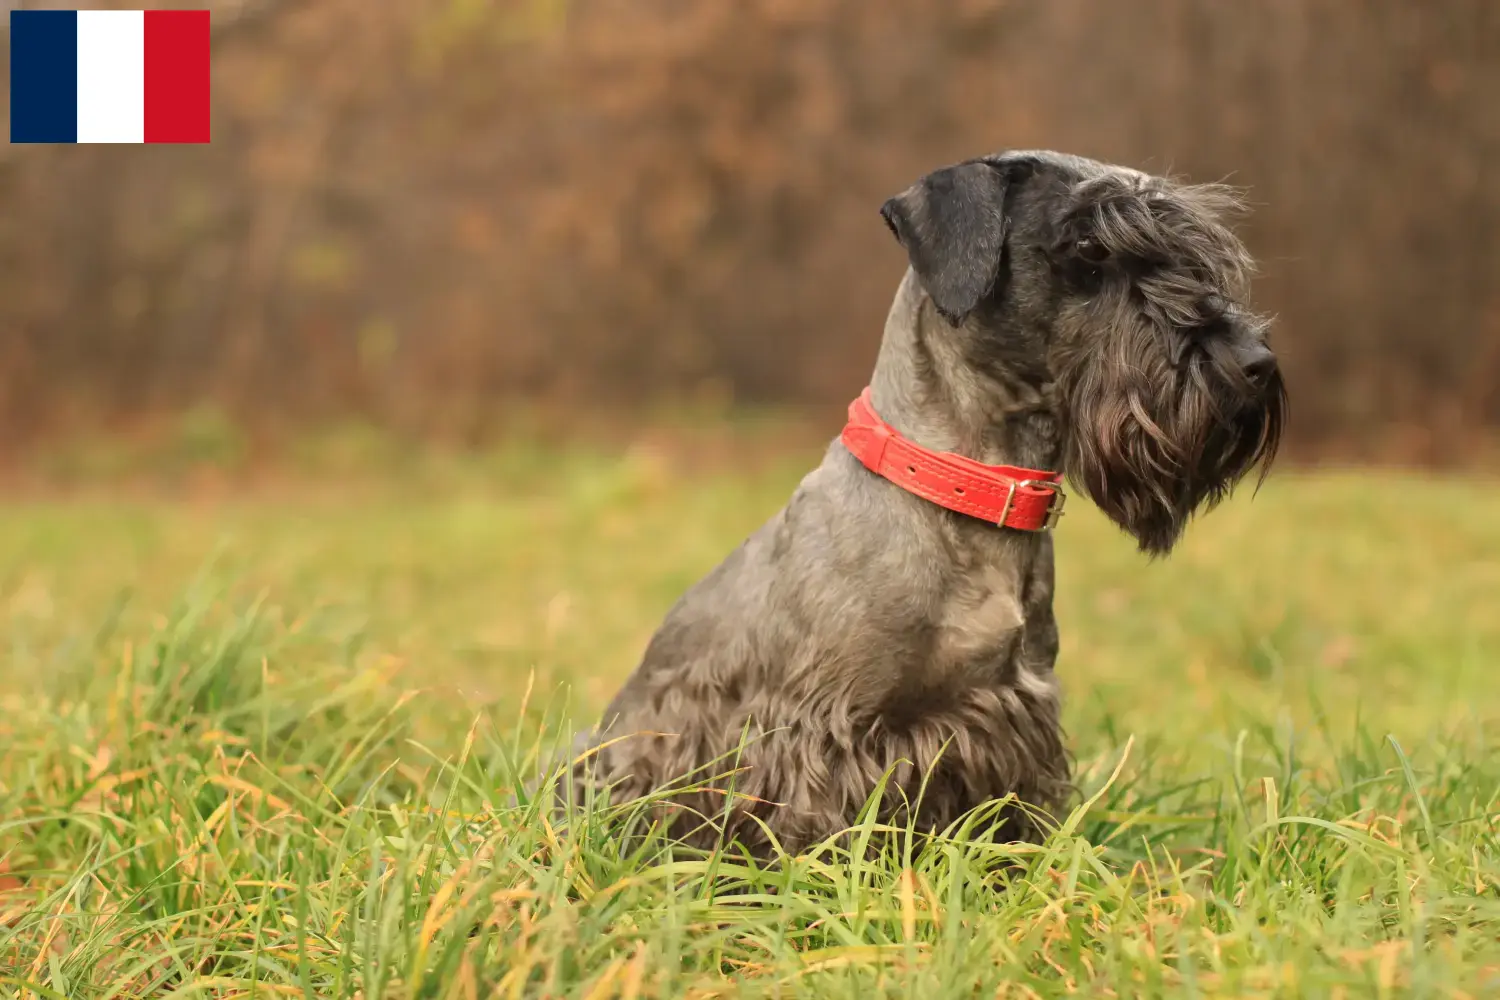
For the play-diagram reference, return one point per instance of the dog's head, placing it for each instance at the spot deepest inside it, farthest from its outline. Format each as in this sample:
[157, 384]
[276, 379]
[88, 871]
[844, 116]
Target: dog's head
[1126, 293]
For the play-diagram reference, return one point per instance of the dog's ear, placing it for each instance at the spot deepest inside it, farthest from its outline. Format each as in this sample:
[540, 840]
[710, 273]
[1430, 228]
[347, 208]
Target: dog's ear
[953, 225]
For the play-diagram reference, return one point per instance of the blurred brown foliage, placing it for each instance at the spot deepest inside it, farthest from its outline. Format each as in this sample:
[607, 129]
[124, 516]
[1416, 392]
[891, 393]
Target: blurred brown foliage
[417, 212]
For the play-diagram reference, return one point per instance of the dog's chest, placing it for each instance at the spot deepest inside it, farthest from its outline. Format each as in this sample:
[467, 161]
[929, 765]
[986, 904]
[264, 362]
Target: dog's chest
[980, 617]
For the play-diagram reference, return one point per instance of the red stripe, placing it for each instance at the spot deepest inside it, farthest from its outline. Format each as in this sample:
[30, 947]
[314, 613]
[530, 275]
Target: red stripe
[177, 76]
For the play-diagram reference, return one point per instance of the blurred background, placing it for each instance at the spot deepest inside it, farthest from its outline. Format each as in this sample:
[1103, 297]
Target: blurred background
[426, 216]
[484, 328]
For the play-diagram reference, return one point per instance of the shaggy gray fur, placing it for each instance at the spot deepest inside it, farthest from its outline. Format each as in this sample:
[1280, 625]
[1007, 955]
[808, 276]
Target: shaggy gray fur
[1057, 313]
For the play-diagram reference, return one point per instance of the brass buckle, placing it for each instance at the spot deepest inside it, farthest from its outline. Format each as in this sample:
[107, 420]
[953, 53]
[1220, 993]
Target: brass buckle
[1054, 511]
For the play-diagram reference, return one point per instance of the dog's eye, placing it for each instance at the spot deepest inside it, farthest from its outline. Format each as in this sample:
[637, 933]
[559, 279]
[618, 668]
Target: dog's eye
[1090, 250]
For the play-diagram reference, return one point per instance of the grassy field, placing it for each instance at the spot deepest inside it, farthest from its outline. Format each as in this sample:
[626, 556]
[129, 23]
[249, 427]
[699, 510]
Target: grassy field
[271, 745]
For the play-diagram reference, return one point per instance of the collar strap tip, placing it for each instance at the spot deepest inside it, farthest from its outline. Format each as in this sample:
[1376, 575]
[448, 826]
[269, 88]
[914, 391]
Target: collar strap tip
[1055, 503]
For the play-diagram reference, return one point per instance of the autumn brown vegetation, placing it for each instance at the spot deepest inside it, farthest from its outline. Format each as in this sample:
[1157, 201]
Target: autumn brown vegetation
[418, 212]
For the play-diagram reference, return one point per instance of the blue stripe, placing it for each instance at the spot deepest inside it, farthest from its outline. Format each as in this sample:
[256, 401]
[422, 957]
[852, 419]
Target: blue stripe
[43, 76]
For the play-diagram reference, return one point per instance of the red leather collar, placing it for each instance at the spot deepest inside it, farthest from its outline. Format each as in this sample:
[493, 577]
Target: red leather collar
[1024, 499]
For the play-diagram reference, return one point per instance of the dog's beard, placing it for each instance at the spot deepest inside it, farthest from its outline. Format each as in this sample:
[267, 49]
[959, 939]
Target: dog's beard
[1164, 423]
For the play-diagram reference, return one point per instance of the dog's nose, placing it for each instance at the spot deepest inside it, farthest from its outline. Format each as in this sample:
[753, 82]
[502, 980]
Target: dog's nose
[1256, 358]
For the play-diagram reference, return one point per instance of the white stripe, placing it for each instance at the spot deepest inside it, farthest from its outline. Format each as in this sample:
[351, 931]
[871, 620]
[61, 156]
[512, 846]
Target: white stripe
[111, 76]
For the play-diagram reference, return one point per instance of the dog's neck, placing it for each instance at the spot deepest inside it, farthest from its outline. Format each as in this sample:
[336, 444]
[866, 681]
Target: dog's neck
[930, 390]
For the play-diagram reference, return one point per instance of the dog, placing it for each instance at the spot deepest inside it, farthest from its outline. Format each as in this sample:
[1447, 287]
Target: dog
[894, 620]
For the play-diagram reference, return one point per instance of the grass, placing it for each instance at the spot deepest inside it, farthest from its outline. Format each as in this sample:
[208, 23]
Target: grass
[273, 745]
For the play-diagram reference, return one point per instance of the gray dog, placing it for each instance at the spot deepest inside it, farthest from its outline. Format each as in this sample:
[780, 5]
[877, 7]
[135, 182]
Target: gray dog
[1059, 316]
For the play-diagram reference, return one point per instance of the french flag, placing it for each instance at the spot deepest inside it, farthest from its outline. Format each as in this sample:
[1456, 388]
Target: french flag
[109, 76]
